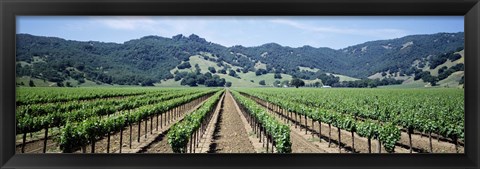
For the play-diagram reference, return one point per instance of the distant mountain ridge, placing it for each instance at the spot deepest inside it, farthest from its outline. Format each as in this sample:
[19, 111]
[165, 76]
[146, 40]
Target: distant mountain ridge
[151, 58]
[401, 52]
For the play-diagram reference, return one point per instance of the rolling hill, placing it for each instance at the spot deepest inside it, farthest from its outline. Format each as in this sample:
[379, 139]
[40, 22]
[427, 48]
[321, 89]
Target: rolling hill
[154, 60]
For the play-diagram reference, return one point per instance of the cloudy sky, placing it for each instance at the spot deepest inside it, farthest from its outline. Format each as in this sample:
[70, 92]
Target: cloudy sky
[295, 31]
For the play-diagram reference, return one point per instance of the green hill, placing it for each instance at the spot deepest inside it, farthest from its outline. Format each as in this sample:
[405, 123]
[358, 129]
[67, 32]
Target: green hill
[154, 60]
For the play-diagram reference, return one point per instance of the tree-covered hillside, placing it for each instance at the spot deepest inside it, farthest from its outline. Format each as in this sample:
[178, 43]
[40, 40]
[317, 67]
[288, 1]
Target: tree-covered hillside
[398, 55]
[151, 59]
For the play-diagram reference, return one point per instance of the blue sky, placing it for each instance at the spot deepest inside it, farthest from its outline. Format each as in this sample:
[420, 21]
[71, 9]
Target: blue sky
[295, 31]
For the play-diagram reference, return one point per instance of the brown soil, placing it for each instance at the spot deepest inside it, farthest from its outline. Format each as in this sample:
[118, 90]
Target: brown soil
[230, 135]
[101, 146]
[301, 142]
[160, 143]
[206, 139]
[301, 145]
[361, 145]
[259, 147]
[36, 146]
[36, 136]
[34, 141]
[419, 144]
[422, 144]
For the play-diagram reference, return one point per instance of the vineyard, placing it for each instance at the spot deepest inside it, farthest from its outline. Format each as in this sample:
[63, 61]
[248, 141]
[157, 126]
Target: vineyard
[383, 115]
[239, 120]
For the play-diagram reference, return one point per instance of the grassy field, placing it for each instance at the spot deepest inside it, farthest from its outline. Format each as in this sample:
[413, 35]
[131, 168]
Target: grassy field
[269, 78]
[416, 84]
[244, 81]
[38, 82]
[308, 69]
[448, 64]
[452, 80]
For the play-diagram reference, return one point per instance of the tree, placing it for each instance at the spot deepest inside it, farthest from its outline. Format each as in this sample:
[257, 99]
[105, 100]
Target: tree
[68, 84]
[201, 79]
[184, 65]
[228, 84]
[168, 76]
[232, 73]
[80, 81]
[197, 69]
[277, 83]
[212, 70]
[430, 79]
[297, 82]
[223, 71]
[328, 80]
[177, 78]
[442, 69]
[148, 82]
[262, 82]
[208, 75]
[220, 81]
[189, 82]
[260, 72]
[31, 84]
[210, 82]
[277, 76]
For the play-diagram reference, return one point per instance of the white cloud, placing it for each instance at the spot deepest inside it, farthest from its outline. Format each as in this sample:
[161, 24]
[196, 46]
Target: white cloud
[231, 31]
[161, 26]
[127, 23]
[380, 33]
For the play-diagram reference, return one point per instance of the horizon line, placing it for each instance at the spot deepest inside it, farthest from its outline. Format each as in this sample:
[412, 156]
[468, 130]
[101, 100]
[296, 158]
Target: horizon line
[306, 45]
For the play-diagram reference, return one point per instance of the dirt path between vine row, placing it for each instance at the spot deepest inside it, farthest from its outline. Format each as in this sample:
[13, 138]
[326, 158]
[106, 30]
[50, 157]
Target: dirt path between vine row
[230, 135]
[420, 144]
[159, 143]
[361, 145]
[145, 136]
[301, 143]
[36, 146]
[34, 142]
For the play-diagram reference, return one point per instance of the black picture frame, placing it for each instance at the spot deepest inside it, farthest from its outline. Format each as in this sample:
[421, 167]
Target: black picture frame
[470, 9]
